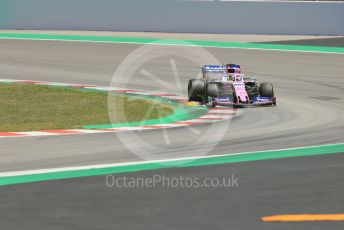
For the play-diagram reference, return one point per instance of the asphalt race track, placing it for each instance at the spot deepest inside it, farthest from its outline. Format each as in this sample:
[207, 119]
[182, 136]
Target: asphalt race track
[309, 87]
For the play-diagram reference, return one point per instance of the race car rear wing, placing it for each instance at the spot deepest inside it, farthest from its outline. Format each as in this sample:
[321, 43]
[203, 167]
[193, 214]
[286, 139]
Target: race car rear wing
[212, 72]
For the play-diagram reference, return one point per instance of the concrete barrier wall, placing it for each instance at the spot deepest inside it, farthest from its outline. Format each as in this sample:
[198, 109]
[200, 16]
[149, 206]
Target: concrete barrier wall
[175, 16]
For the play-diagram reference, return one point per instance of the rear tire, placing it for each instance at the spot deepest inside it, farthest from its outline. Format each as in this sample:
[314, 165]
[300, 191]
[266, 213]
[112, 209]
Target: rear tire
[266, 90]
[196, 90]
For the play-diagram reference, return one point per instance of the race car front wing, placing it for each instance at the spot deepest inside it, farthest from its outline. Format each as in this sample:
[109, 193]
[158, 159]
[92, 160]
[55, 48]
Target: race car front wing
[258, 100]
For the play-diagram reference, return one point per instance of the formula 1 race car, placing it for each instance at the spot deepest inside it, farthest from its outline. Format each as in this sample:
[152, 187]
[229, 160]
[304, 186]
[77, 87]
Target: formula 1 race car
[225, 85]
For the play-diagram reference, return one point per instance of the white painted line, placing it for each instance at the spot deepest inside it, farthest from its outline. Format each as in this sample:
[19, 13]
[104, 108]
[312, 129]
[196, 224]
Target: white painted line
[195, 121]
[9, 80]
[140, 93]
[211, 116]
[175, 97]
[86, 131]
[113, 88]
[76, 168]
[53, 84]
[222, 111]
[102, 88]
[127, 128]
[175, 125]
[36, 133]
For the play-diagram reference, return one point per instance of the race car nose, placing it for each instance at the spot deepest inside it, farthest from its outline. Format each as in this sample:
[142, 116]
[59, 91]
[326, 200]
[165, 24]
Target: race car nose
[242, 98]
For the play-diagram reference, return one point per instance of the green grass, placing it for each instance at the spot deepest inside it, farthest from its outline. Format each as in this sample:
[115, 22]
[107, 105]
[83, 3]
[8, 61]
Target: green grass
[34, 107]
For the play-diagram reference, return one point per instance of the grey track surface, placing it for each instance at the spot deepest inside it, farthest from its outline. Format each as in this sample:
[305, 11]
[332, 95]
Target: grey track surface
[309, 88]
[294, 185]
[310, 91]
[335, 42]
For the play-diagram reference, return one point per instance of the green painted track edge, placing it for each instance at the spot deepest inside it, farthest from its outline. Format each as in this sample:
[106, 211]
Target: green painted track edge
[181, 112]
[215, 160]
[218, 44]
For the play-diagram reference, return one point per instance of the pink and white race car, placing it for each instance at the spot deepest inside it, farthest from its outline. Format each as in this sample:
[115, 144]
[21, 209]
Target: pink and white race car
[225, 85]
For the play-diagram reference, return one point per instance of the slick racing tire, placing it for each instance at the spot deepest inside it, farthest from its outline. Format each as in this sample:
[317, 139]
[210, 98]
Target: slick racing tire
[212, 90]
[266, 90]
[196, 90]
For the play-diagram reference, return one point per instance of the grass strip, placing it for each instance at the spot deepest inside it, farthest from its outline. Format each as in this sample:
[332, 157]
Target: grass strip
[37, 107]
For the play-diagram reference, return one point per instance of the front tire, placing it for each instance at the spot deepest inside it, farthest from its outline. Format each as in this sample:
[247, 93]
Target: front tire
[196, 90]
[266, 89]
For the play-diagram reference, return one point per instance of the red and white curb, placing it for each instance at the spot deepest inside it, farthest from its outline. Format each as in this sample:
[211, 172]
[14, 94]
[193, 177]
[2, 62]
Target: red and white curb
[214, 114]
